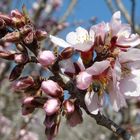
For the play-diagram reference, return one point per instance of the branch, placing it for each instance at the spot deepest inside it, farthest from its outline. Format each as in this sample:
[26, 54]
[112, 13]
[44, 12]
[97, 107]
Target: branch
[100, 119]
[110, 5]
[133, 14]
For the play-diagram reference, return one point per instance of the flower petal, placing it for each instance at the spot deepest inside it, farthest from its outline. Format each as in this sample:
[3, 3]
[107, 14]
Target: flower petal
[130, 85]
[82, 34]
[100, 29]
[83, 80]
[131, 41]
[80, 64]
[115, 23]
[67, 66]
[60, 42]
[116, 98]
[98, 67]
[133, 54]
[84, 47]
[92, 102]
[72, 38]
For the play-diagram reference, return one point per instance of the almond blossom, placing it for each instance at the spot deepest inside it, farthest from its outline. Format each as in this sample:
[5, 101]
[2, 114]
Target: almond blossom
[125, 78]
[80, 40]
[94, 77]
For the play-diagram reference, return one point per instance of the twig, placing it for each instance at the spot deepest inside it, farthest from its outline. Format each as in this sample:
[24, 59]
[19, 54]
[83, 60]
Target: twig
[64, 17]
[133, 14]
[110, 5]
[40, 9]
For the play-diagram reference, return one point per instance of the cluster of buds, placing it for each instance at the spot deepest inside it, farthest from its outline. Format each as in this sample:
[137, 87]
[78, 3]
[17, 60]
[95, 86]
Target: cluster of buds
[56, 106]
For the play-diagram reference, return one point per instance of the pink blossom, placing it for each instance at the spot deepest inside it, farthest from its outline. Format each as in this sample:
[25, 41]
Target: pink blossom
[80, 40]
[46, 58]
[125, 78]
[51, 106]
[84, 79]
[94, 99]
[69, 106]
[51, 88]
[123, 32]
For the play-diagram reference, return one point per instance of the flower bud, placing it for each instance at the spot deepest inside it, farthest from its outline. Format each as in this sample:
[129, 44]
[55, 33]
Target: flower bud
[67, 53]
[23, 83]
[16, 13]
[68, 106]
[51, 88]
[16, 71]
[28, 101]
[51, 106]
[6, 55]
[46, 58]
[25, 30]
[40, 35]
[29, 38]
[11, 37]
[2, 24]
[20, 58]
[18, 19]
[6, 18]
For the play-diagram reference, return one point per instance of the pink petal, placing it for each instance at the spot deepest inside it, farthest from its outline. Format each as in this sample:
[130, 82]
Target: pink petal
[124, 30]
[132, 54]
[84, 47]
[98, 67]
[100, 29]
[116, 72]
[67, 66]
[83, 80]
[82, 34]
[80, 64]
[60, 42]
[92, 102]
[72, 38]
[116, 98]
[131, 41]
[115, 23]
[130, 85]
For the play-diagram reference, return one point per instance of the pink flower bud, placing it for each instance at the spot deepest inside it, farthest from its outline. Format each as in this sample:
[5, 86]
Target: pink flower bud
[40, 35]
[20, 58]
[51, 88]
[12, 37]
[23, 83]
[46, 58]
[28, 101]
[69, 106]
[51, 106]
[16, 13]
[6, 18]
[2, 24]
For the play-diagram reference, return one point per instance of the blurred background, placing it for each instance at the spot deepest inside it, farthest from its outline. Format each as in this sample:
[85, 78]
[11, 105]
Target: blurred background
[58, 17]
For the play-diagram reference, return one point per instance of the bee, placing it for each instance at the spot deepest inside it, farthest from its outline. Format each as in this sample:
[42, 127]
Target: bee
[97, 87]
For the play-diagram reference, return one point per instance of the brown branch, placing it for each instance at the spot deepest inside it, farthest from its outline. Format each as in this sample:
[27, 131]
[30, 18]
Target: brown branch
[100, 118]
[42, 5]
[110, 5]
[133, 14]
[64, 17]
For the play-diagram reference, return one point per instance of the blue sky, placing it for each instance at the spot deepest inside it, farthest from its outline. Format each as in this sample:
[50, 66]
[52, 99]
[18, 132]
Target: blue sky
[85, 9]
